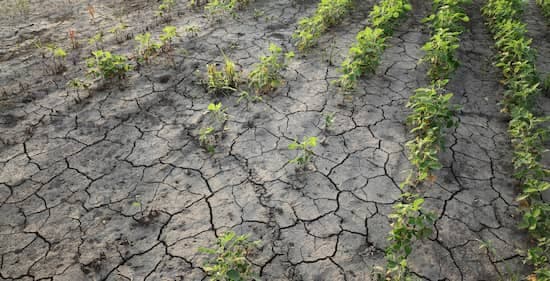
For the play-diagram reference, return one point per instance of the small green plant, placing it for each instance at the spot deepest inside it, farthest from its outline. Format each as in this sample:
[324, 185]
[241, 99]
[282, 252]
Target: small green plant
[306, 146]
[218, 111]
[448, 15]
[432, 114]
[230, 258]
[363, 57]
[96, 40]
[78, 84]
[528, 136]
[207, 139]
[169, 33]
[328, 13]
[440, 54]
[410, 223]
[106, 65]
[218, 8]
[244, 95]
[118, 31]
[329, 120]
[266, 76]
[539, 257]
[222, 81]
[545, 7]
[386, 14]
[258, 14]
[192, 29]
[165, 8]
[57, 55]
[147, 47]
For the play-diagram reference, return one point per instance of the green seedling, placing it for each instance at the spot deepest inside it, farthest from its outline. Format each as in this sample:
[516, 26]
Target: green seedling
[432, 114]
[329, 13]
[266, 76]
[244, 95]
[258, 14]
[449, 15]
[363, 57]
[165, 8]
[207, 139]
[528, 137]
[545, 7]
[386, 14]
[230, 261]
[118, 31]
[409, 223]
[192, 29]
[108, 66]
[306, 146]
[96, 40]
[222, 81]
[169, 33]
[56, 54]
[218, 8]
[78, 84]
[440, 54]
[217, 111]
[329, 120]
[147, 47]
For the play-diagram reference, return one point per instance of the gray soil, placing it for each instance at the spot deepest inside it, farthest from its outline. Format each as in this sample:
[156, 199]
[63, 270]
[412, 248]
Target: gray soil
[112, 184]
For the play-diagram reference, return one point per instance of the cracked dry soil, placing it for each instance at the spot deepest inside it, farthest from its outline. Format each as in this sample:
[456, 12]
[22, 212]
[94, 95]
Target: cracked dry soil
[73, 165]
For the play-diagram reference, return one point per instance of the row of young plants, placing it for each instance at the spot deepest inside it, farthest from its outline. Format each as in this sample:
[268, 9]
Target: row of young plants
[528, 132]
[266, 76]
[432, 113]
[545, 7]
[364, 55]
[107, 66]
[329, 13]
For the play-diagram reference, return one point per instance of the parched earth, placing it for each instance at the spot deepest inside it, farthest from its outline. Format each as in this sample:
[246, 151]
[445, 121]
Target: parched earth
[112, 184]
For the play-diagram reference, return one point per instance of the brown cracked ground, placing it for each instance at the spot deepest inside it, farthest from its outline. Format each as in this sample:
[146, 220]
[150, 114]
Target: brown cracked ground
[113, 185]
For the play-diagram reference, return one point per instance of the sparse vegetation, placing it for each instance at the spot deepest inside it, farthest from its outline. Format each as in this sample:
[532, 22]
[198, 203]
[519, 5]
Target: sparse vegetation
[225, 80]
[218, 8]
[107, 66]
[230, 258]
[165, 8]
[192, 29]
[328, 13]
[329, 120]
[266, 76]
[147, 48]
[306, 153]
[173, 154]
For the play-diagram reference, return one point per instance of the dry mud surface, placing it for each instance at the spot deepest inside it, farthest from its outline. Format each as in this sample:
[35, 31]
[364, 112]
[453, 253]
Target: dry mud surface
[73, 165]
